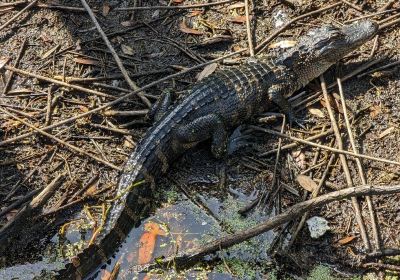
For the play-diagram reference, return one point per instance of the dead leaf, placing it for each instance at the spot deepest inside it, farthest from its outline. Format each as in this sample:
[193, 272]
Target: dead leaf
[128, 23]
[300, 159]
[236, 6]
[18, 91]
[334, 104]
[127, 49]
[83, 108]
[375, 111]
[50, 52]
[208, 70]
[239, 19]
[185, 29]
[284, 44]
[178, 1]
[86, 61]
[346, 240]
[11, 214]
[106, 9]
[195, 13]
[316, 112]
[306, 183]
[386, 132]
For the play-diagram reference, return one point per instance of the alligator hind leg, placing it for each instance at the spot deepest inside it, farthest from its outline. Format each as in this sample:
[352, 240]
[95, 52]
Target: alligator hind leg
[159, 109]
[203, 128]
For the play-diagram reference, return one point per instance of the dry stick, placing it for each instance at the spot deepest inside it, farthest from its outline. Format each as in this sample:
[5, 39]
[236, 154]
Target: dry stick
[199, 66]
[345, 166]
[121, 67]
[360, 169]
[9, 79]
[48, 107]
[57, 82]
[313, 195]
[21, 182]
[387, 5]
[71, 147]
[290, 214]
[18, 14]
[27, 211]
[371, 15]
[176, 7]
[292, 145]
[390, 23]
[17, 203]
[264, 43]
[248, 28]
[379, 69]
[339, 151]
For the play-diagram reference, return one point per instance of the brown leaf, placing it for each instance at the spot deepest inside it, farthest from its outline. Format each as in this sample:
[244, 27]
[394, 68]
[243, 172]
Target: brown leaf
[239, 19]
[335, 106]
[208, 70]
[128, 23]
[375, 111]
[185, 29]
[306, 182]
[195, 13]
[50, 52]
[127, 49]
[284, 44]
[106, 9]
[346, 240]
[316, 112]
[86, 61]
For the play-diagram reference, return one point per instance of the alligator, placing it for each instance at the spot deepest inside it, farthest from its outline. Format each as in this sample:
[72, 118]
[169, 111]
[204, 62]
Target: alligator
[213, 107]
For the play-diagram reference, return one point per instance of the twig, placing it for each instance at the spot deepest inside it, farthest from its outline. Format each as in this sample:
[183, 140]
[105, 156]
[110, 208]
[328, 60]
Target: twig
[121, 67]
[9, 79]
[371, 209]
[194, 6]
[248, 28]
[387, 5]
[21, 182]
[379, 69]
[126, 113]
[57, 82]
[18, 14]
[371, 15]
[48, 107]
[388, 24]
[12, 228]
[71, 147]
[345, 166]
[339, 151]
[122, 98]
[290, 214]
[380, 266]
[292, 145]
[17, 203]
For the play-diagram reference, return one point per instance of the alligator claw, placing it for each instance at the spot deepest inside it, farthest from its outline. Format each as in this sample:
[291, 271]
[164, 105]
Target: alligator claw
[239, 140]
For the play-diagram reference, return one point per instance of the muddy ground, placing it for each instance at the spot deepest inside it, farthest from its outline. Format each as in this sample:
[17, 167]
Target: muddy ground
[63, 44]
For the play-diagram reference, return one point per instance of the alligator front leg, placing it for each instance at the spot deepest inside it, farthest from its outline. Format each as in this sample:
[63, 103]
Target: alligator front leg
[203, 128]
[277, 93]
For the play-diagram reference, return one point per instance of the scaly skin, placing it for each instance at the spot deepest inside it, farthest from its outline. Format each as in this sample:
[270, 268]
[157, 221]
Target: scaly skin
[218, 103]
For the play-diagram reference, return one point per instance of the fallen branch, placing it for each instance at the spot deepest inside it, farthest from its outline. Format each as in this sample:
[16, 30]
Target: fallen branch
[293, 212]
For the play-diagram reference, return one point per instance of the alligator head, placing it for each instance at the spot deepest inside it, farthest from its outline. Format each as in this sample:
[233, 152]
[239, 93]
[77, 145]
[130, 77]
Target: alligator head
[324, 46]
